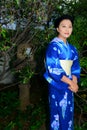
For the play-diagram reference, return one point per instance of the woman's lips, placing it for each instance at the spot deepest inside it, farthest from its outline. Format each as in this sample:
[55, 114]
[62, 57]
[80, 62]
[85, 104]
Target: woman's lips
[67, 33]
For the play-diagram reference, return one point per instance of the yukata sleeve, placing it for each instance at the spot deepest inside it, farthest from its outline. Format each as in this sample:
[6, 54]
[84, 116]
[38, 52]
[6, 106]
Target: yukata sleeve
[53, 66]
[75, 70]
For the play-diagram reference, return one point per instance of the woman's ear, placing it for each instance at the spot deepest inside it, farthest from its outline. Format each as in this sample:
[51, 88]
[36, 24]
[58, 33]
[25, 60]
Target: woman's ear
[57, 30]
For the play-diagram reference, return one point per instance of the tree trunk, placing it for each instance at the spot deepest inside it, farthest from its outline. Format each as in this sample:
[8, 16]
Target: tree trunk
[24, 94]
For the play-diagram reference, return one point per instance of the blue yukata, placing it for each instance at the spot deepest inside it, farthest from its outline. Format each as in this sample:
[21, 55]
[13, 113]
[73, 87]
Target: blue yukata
[61, 59]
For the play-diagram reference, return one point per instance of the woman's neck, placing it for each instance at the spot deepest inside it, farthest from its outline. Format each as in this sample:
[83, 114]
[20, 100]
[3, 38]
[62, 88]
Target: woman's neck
[63, 39]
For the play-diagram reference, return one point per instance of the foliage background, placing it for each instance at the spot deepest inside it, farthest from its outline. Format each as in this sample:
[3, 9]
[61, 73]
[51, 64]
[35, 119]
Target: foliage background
[34, 26]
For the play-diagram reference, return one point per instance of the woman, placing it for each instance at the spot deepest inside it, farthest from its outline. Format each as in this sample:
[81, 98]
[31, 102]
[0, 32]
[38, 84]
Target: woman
[62, 74]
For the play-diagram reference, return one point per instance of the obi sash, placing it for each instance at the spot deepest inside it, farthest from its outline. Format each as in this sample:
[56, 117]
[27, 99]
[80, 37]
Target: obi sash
[66, 65]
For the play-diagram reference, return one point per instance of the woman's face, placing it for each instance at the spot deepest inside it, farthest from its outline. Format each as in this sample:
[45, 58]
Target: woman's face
[65, 29]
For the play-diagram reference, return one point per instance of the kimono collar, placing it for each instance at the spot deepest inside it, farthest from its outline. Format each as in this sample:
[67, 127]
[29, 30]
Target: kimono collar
[56, 39]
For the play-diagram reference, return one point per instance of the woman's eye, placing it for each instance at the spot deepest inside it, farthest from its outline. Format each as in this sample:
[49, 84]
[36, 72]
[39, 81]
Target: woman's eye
[63, 26]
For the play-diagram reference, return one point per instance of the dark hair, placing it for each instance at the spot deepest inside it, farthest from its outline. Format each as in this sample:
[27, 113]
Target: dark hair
[63, 17]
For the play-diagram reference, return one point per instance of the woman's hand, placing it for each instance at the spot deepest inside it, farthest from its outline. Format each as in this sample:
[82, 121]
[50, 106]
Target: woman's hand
[74, 78]
[73, 87]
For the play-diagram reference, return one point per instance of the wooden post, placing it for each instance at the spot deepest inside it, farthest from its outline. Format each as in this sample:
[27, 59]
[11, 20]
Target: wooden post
[24, 94]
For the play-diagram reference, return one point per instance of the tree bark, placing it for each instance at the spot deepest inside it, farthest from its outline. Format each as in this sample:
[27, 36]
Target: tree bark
[24, 94]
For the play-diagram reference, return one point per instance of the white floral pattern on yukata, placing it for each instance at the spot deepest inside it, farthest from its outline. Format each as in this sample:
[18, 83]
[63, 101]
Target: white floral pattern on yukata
[55, 123]
[63, 104]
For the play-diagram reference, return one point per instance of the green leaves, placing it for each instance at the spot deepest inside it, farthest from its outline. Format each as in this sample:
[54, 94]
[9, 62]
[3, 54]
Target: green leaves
[3, 32]
[8, 103]
[25, 74]
[18, 2]
[5, 42]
